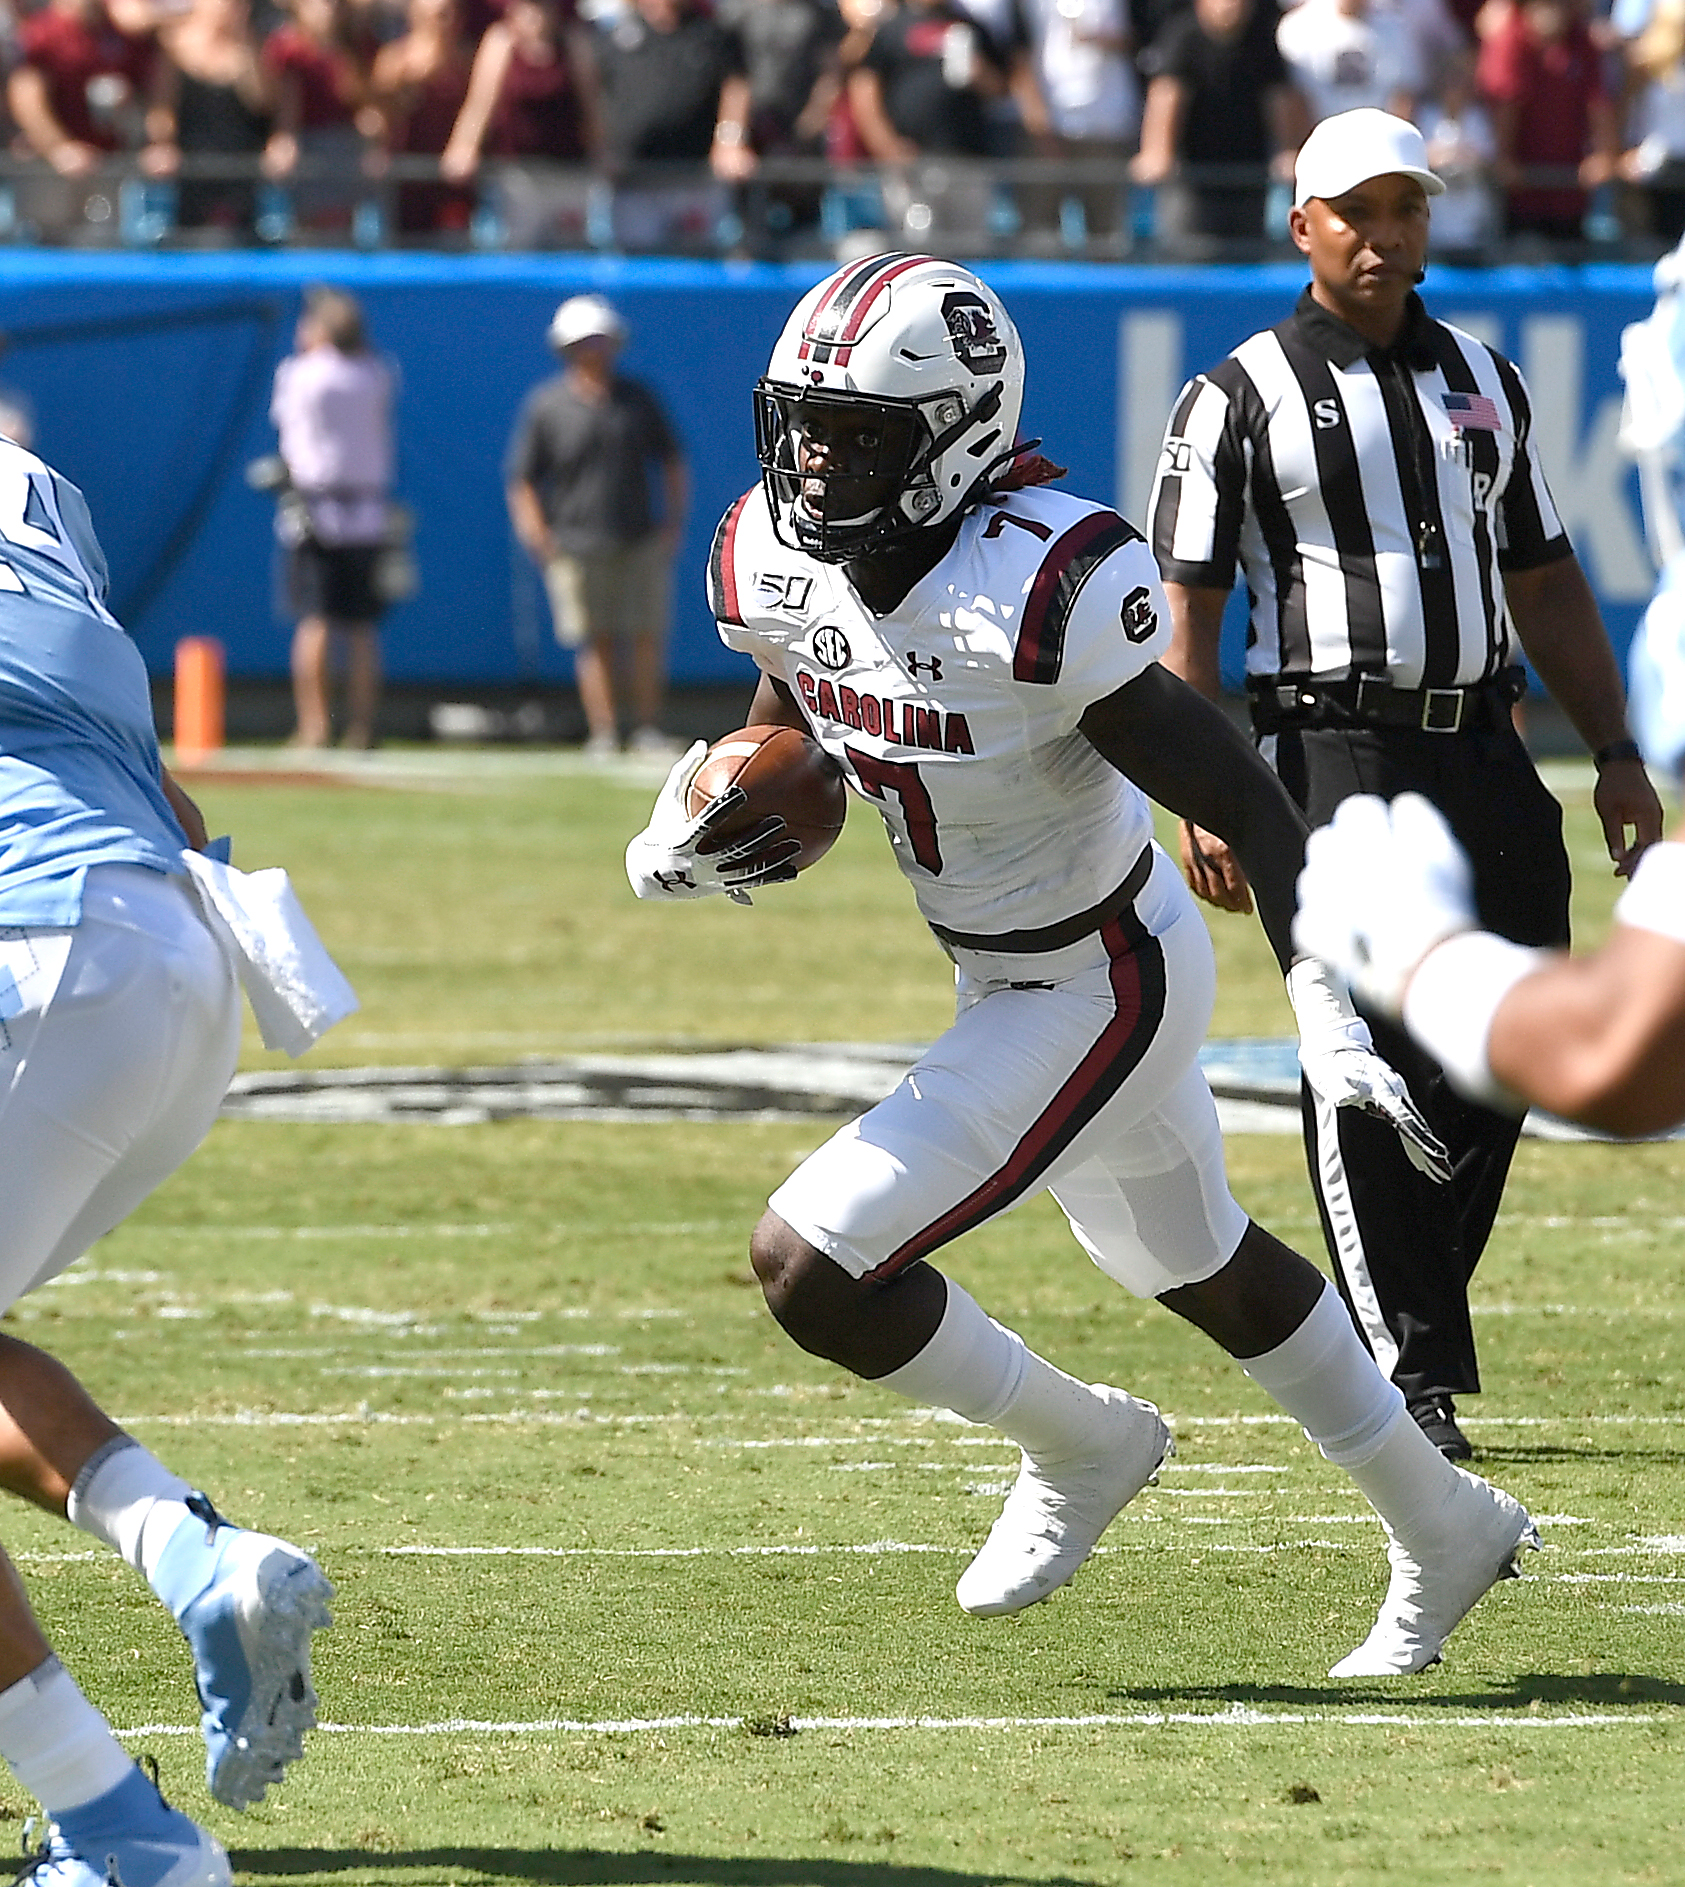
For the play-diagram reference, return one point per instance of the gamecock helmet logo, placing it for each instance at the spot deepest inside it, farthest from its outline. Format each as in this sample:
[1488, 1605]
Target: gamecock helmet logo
[976, 339]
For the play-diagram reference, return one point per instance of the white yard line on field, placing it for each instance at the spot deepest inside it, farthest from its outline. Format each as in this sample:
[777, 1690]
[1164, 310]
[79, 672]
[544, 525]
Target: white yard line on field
[795, 1550]
[515, 1418]
[1236, 1717]
[1618, 1579]
[887, 1548]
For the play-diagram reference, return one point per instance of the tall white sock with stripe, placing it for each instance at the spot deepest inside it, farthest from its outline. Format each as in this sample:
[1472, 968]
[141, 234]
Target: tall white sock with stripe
[987, 1373]
[1325, 1379]
[126, 1497]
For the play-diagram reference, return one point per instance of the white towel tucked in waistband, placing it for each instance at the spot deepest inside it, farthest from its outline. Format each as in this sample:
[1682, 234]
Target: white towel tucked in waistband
[296, 990]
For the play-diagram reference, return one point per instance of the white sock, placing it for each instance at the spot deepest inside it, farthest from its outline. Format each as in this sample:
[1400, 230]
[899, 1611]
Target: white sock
[987, 1373]
[126, 1497]
[56, 1743]
[1325, 1379]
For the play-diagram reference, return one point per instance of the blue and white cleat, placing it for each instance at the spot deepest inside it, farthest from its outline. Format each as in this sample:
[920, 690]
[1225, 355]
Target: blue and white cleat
[248, 1605]
[128, 1837]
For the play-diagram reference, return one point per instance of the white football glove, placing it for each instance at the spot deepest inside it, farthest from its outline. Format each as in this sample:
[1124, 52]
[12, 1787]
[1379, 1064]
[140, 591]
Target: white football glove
[1337, 1053]
[673, 857]
[1381, 886]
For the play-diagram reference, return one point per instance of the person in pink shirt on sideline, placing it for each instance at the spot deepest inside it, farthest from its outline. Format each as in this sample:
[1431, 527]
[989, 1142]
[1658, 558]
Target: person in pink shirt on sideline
[332, 406]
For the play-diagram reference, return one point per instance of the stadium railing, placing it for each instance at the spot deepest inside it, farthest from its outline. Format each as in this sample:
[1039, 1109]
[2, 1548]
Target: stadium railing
[791, 207]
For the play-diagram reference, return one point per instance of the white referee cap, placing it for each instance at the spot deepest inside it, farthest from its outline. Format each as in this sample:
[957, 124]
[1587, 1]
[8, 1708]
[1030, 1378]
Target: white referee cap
[581, 317]
[1353, 146]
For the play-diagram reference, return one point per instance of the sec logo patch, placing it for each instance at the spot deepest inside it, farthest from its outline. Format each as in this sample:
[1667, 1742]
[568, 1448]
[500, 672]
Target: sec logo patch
[830, 648]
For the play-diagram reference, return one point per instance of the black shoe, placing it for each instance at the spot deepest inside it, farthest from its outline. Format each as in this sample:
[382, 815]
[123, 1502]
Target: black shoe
[1436, 1416]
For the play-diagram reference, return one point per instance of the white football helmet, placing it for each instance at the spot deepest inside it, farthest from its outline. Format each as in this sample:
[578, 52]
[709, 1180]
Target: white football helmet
[922, 361]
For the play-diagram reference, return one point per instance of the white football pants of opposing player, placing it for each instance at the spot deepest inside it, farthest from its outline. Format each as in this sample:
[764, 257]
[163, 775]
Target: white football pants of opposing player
[1038, 1040]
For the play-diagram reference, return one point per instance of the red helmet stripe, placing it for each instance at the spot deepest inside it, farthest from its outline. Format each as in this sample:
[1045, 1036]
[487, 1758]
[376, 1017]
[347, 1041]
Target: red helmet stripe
[843, 286]
[867, 295]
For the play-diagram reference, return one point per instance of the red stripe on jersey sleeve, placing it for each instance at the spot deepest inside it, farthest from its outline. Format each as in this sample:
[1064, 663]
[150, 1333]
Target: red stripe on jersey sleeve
[1041, 635]
[722, 564]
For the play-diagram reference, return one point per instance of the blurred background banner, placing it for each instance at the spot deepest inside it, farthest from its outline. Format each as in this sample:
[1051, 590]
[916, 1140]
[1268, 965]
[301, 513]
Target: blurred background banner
[150, 377]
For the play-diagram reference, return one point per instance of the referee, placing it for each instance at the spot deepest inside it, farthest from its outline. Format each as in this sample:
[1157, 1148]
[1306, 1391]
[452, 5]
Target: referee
[1373, 472]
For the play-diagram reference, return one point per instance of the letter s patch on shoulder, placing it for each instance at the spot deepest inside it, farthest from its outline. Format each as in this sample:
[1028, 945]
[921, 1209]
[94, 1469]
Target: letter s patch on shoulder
[1137, 615]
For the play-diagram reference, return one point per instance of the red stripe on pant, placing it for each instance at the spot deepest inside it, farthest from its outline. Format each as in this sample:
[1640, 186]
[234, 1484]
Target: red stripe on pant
[1137, 979]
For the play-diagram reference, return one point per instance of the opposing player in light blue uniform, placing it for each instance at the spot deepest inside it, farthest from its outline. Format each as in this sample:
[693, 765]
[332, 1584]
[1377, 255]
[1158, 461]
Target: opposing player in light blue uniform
[1653, 432]
[119, 1029]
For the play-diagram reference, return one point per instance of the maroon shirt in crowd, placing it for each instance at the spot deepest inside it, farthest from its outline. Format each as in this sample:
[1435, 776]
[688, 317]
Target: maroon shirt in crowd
[538, 111]
[68, 52]
[326, 88]
[1553, 85]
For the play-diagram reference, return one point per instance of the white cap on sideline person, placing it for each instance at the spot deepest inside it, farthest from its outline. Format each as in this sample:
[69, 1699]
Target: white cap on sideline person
[1353, 146]
[583, 317]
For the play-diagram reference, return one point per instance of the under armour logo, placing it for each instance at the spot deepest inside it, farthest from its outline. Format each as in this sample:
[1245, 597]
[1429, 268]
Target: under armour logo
[933, 667]
[675, 880]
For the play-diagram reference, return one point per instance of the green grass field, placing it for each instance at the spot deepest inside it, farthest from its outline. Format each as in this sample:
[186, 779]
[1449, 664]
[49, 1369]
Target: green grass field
[631, 1590]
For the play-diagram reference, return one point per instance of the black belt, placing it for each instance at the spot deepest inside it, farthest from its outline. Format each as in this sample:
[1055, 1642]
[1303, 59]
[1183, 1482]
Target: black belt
[1371, 701]
[1069, 930]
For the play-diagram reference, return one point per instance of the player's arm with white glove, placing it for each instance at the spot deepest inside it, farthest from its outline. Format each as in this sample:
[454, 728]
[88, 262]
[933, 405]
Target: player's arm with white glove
[682, 855]
[1386, 898]
[1337, 1054]
[1184, 752]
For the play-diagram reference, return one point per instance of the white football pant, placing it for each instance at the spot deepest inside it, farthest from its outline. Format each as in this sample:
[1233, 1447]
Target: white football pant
[118, 1039]
[1075, 1072]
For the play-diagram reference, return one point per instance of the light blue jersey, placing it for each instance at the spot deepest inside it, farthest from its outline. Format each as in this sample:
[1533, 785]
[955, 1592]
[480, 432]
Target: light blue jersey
[80, 773]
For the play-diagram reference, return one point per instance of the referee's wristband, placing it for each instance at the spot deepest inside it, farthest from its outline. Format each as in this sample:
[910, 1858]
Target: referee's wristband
[1451, 1001]
[1616, 750]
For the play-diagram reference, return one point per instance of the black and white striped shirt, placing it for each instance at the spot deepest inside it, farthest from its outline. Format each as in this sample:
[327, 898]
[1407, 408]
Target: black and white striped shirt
[1373, 498]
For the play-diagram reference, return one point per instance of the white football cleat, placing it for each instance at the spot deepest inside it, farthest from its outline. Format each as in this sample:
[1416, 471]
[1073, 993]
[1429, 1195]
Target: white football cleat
[1057, 1510]
[1433, 1590]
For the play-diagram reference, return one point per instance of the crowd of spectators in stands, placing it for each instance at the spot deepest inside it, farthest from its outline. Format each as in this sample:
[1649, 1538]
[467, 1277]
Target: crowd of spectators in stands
[1538, 112]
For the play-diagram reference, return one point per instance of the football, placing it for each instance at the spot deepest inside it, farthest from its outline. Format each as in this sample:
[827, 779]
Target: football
[782, 772]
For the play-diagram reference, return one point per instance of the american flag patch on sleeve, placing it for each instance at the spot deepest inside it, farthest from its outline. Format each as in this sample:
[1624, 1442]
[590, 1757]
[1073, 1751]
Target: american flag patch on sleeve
[1473, 412]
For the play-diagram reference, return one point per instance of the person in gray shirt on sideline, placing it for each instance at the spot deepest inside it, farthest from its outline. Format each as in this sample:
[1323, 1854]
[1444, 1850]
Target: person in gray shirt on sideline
[578, 484]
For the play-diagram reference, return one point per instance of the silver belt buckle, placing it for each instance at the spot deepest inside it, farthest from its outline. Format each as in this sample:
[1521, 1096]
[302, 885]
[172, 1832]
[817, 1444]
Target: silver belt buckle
[1442, 710]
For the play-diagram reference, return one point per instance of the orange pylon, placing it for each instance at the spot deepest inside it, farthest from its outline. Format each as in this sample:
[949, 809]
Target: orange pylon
[199, 699]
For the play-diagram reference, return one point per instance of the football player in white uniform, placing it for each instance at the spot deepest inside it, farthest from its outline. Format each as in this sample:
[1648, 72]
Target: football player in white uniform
[978, 655]
[1386, 897]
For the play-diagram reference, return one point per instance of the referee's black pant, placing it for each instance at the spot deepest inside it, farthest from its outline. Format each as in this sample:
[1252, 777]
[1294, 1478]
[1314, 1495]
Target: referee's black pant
[1404, 1248]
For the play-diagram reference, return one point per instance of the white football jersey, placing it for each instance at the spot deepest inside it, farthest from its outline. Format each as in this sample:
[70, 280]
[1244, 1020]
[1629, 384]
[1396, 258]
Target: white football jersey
[957, 714]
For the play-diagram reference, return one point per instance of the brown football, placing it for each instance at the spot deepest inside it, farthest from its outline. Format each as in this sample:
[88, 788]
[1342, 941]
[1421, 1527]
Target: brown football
[782, 771]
